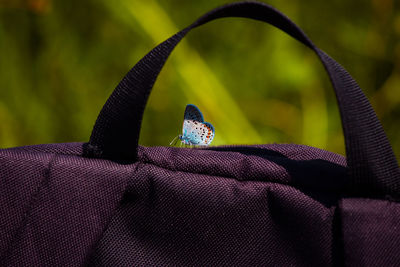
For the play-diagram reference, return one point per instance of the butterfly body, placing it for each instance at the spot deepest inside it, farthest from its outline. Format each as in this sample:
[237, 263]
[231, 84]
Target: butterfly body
[195, 130]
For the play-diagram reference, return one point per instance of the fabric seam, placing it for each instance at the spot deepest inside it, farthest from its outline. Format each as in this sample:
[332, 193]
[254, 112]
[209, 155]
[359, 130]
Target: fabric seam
[106, 225]
[28, 213]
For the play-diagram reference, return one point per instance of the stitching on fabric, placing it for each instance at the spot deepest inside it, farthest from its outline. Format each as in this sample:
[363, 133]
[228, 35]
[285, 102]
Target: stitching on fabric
[27, 214]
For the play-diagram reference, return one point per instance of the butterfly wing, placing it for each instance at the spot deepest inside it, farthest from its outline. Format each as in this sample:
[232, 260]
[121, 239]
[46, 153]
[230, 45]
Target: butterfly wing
[192, 118]
[192, 132]
[209, 133]
[193, 113]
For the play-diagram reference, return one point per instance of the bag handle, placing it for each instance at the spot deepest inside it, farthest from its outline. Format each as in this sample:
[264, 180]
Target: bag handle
[372, 166]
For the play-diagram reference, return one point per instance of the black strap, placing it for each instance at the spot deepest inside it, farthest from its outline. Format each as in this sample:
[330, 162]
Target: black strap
[372, 166]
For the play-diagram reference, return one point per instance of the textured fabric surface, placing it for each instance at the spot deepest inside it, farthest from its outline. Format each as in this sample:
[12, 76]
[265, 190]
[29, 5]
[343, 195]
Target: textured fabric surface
[215, 222]
[232, 206]
[276, 205]
[54, 206]
[174, 211]
[371, 232]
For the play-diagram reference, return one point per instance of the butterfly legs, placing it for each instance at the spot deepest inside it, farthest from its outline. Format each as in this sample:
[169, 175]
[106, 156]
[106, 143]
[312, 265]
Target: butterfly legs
[173, 142]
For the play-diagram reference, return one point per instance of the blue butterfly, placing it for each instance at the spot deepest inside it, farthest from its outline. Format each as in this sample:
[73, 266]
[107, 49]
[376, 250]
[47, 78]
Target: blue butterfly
[195, 131]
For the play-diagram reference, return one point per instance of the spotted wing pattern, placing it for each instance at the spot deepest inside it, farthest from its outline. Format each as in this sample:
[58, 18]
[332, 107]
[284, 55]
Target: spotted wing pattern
[195, 130]
[209, 136]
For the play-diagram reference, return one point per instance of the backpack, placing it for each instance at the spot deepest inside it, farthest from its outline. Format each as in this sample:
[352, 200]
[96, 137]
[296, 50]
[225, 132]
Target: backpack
[111, 202]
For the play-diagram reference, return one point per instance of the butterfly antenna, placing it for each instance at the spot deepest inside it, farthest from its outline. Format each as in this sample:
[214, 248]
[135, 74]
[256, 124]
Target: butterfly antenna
[173, 142]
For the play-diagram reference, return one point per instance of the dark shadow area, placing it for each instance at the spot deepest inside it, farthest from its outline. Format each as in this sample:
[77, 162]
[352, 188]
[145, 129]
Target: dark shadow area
[338, 246]
[321, 179]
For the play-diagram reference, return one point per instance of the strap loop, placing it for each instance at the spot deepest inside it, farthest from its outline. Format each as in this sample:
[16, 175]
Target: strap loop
[372, 166]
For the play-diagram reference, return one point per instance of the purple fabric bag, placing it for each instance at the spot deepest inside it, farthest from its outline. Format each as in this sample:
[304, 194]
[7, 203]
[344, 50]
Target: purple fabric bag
[111, 202]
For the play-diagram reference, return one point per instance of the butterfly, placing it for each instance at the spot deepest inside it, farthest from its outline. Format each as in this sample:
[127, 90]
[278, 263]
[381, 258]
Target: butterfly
[195, 130]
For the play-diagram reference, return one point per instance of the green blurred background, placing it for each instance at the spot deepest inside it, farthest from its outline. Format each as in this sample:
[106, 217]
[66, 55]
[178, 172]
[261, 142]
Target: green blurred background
[60, 60]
